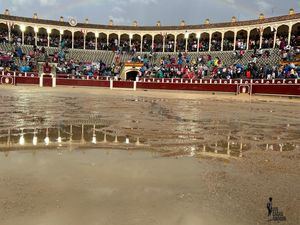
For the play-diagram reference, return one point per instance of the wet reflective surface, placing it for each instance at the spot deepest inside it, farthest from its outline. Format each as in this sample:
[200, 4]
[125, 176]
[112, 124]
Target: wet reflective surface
[75, 156]
[35, 118]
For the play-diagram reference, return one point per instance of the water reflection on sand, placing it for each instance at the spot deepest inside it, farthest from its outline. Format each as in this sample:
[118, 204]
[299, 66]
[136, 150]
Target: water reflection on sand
[85, 136]
[37, 119]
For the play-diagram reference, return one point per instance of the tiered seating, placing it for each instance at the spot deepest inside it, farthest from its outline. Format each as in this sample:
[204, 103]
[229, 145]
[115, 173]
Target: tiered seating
[273, 59]
[125, 57]
[296, 61]
[227, 57]
[91, 55]
[76, 54]
[108, 57]
[6, 47]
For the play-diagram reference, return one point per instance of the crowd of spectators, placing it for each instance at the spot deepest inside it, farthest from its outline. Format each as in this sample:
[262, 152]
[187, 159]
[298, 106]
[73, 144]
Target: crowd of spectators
[181, 66]
[205, 66]
[16, 60]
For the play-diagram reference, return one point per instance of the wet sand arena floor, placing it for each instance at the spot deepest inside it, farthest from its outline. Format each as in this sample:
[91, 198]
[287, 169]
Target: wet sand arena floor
[157, 157]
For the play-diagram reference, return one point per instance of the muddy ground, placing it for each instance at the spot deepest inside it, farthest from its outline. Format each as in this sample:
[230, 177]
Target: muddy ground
[179, 157]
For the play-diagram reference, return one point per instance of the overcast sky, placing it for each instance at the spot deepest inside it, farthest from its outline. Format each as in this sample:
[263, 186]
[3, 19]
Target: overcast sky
[147, 12]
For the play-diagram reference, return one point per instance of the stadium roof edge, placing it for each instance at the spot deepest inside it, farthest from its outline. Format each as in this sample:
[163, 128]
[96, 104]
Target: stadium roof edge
[151, 28]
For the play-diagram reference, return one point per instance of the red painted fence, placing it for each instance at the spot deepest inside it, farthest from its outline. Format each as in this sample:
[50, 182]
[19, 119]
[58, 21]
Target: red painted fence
[280, 87]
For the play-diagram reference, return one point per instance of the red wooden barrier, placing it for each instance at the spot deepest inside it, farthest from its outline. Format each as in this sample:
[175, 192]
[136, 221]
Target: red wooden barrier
[86, 83]
[47, 81]
[189, 87]
[282, 87]
[27, 80]
[123, 84]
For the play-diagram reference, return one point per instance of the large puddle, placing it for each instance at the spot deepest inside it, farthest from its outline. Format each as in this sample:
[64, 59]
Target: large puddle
[80, 156]
[173, 127]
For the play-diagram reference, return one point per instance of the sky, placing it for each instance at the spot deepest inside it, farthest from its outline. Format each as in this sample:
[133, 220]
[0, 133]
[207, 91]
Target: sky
[148, 12]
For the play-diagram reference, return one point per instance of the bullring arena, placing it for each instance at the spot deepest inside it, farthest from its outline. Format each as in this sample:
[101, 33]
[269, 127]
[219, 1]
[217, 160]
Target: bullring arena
[111, 124]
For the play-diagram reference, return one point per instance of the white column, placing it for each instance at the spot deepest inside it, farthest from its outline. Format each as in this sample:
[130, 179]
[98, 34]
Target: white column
[107, 40]
[35, 39]
[141, 46]
[9, 33]
[222, 41]
[261, 38]
[248, 39]
[152, 43]
[48, 39]
[60, 38]
[164, 43]
[186, 44]
[290, 34]
[23, 37]
[84, 39]
[96, 43]
[275, 37]
[198, 43]
[130, 42]
[41, 80]
[72, 40]
[234, 40]
[53, 81]
[209, 41]
[175, 43]
[111, 83]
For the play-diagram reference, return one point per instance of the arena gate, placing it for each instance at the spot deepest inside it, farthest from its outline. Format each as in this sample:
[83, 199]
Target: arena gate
[131, 71]
[47, 74]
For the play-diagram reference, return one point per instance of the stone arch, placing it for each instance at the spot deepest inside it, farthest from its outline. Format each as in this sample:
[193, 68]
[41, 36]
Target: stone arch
[29, 36]
[204, 41]
[54, 38]
[268, 38]
[132, 74]
[192, 42]
[136, 42]
[16, 34]
[254, 38]
[42, 37]
[282, 35]
[90, 40]
[267, 31]
[158, 43]
[170, 43]
[113, 40]
[295, 37]
[3, 33]
[67, 38]
[3, 27]
[78, 39]
[283, 31]
[102, 41]
[125, 42]
[216, 39]
[228, 41]
[241, 40]
[147, 43]
[180, 42]
[296, 29]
